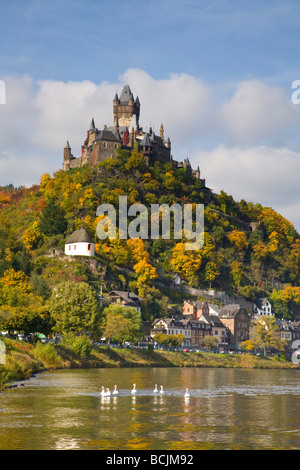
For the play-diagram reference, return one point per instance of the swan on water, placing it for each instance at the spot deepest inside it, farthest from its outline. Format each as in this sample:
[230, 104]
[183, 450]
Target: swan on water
[133, 391]
[161, 389]
[115, 391]
[107, 393]
[186, 395]
[155, 389]
[102, 391]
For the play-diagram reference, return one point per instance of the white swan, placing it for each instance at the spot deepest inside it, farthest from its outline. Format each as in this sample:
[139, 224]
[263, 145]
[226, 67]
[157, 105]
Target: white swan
[186, 395]
[102, 391]
[155, 389]
[115, 391]
[107, 393]
[161, 390]
[133, 391]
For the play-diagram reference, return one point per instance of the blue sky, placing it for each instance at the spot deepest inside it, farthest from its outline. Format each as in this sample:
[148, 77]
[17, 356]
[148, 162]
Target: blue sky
[218, 73]
[98, 40]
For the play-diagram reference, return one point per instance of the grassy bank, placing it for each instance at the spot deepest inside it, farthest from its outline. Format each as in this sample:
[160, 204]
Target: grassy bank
[22, 360]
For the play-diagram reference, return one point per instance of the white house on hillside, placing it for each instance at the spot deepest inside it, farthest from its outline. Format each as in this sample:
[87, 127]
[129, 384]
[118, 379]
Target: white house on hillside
[79, 243]
[262, 307]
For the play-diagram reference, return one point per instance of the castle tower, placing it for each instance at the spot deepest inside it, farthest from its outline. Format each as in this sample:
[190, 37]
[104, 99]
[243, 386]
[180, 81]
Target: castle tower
[125, 107]
[162, 131]
[67, 156]
[91, 133]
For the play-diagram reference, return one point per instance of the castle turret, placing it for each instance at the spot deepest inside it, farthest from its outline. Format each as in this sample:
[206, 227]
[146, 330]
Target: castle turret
[162, 131]
[67, 156]
[132, 138]
[91, 133]
[125, 107]
[92, 126]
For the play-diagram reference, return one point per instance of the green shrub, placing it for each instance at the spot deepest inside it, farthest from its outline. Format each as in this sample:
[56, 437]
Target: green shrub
[18, 366]
[47, 354]
[80, 345]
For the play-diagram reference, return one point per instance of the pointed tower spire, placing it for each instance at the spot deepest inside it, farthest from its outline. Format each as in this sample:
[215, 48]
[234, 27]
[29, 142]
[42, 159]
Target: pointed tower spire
[92, 126]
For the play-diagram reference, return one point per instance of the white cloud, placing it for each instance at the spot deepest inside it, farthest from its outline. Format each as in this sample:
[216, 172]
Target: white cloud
[182, 103]
[257, 113]
[265, 175]
[246, 139]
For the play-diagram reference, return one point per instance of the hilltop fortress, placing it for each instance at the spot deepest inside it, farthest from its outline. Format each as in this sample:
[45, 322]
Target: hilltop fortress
[127, 134]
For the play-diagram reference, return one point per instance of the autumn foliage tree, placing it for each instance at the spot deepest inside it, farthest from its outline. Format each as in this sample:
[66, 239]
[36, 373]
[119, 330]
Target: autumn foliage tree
[121, 323]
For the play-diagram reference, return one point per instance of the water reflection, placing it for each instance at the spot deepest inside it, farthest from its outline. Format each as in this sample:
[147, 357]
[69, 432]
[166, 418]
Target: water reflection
[227, 409]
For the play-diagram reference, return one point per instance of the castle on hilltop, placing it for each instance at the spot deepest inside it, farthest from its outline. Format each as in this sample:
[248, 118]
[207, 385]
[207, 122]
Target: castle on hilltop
[126, 133]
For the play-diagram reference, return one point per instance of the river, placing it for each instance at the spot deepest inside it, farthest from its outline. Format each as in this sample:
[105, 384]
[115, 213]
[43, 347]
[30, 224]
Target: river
[227, 409]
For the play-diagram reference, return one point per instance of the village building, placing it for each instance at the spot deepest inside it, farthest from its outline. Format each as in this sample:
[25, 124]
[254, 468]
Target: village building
[289, 330]
[172, 326]
[194, 310]
[126, 299]
[79, 243]
[218, 329]
[261, 307]
[214, 309]
[194, 331]
[199, 330]
[237, 320]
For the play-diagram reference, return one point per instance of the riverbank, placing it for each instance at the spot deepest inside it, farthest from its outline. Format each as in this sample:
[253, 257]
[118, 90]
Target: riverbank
[23, 360]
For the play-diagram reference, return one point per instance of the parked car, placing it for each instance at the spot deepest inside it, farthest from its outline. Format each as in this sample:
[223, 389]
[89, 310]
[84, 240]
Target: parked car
[21, 337]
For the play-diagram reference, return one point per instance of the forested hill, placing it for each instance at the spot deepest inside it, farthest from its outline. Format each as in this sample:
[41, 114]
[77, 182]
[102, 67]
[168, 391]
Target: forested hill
[238, 256]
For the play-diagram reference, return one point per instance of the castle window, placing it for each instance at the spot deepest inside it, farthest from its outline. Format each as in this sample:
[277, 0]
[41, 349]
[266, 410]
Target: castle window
[74, 247]
[89, 247]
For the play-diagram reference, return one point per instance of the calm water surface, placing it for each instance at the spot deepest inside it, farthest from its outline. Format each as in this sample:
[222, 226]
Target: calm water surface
[227, 409]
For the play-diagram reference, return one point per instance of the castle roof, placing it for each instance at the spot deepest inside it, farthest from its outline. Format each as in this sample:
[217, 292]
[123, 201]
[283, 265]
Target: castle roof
[79, 236]
[146, 141]
[92, 126]
[126, 95]
[108, 135]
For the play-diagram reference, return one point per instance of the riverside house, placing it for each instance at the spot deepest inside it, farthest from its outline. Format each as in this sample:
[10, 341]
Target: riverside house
[218, 329]
[194, 310]
[262, 307]
[172, 326]
[237, 320]
[194, 331]
[126, 299]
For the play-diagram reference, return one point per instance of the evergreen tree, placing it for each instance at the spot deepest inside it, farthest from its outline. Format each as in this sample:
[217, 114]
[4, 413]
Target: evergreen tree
[52, 220]
[40, 286]
[25, 262]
